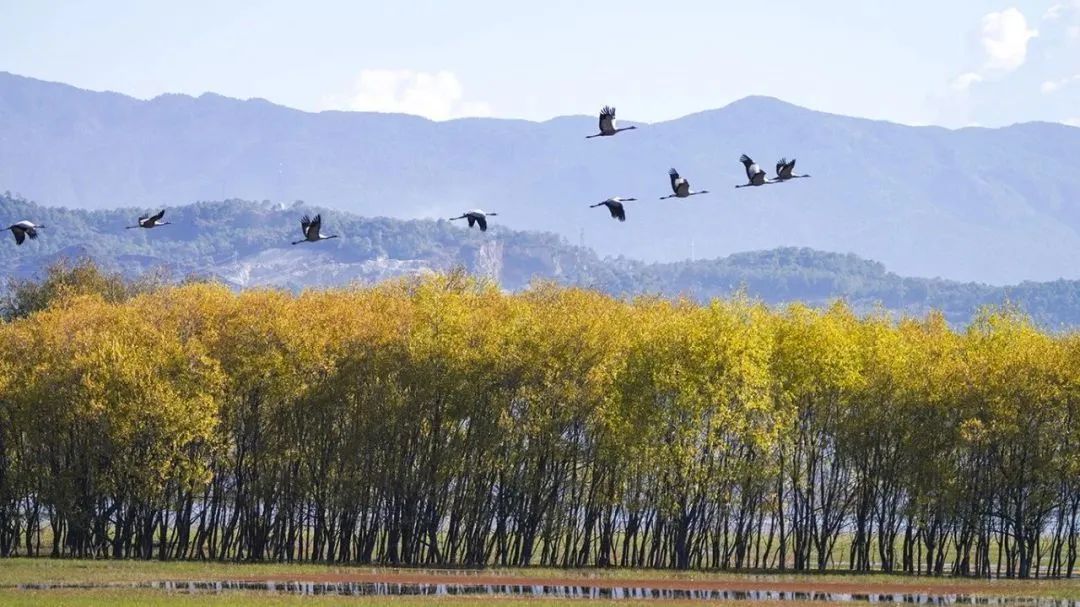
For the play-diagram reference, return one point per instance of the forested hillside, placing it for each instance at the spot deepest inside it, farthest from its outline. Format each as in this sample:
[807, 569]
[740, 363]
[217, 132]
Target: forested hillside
[246, 244]
[441, 421]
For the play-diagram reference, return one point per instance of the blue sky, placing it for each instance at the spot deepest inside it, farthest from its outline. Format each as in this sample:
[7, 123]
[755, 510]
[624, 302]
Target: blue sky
[916, 62]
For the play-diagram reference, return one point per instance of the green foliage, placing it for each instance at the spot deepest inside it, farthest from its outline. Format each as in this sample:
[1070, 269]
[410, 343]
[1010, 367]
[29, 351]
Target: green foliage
[66, 279]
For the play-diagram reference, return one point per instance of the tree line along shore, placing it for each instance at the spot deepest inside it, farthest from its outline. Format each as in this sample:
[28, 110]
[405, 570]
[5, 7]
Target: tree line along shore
[442, 422]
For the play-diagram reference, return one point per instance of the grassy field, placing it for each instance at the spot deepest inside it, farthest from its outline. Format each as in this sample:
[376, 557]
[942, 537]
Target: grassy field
[42, 571]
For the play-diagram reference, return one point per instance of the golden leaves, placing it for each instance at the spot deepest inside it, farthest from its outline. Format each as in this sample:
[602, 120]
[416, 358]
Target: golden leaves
[151, 386]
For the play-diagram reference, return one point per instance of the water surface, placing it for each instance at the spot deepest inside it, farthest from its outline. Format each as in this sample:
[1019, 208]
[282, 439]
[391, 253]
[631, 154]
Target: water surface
[582, 591]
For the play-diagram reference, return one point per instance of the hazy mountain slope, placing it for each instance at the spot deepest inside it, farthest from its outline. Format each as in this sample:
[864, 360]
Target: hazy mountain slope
[246, 244]
[996, 205]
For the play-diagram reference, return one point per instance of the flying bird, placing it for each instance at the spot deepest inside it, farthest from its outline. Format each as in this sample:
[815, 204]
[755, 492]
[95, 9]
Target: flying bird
[23, 229]
[784, 170]
[681, 187]
[614, 206]
[476, 217]
[150, 221]
[310, 228]
[607, 124]
[754, 175]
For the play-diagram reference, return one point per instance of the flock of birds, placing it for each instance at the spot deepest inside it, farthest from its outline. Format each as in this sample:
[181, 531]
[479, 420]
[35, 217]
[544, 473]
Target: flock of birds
[680, 187]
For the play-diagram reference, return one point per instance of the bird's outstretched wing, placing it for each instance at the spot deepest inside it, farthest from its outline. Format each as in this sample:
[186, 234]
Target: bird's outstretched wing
[305, 221]
[20, 236]
[746, 160]
[780, 164]
[618, 211]
[674, 178]
[143, 217]
[156, 218]
[483, 223]
[607, 118]
[472, 220]
[316, 224]
[32, 233]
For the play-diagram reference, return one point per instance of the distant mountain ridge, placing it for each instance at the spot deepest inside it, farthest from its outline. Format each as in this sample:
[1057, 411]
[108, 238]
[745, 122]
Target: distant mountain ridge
[992, 205]
[246, 244]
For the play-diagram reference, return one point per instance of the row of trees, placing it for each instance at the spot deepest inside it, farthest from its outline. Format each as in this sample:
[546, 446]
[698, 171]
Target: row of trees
[443, 422]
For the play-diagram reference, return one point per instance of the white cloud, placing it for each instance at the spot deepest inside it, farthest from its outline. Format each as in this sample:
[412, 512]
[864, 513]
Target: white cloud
[1059, 9]
[964, 81]
[1053, 86]
[1002, 52]
[1072, 121]
[434, 95]
[1005, 37]
[1065, 14]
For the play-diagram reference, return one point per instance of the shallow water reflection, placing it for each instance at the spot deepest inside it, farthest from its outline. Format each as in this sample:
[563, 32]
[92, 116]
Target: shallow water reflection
[584, 591]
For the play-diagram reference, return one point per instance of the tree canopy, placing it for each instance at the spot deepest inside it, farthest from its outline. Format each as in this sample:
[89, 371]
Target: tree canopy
[442, 421]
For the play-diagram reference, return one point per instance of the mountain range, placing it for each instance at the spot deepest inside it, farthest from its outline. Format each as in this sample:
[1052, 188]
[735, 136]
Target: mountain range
[995, 206]
[247, 244]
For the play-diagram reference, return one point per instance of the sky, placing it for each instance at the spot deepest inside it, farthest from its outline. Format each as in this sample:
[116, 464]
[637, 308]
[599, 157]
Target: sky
[961, 63]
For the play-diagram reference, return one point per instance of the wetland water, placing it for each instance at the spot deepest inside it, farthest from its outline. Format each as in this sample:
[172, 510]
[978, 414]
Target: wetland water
[580, 591]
